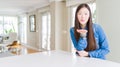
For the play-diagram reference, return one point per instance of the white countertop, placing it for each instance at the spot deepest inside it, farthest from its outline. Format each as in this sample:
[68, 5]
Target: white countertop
[54, 59]
[6, 54]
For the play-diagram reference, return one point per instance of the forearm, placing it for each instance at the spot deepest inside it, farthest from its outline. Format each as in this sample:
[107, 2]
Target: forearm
[82, 44]
[99, 53]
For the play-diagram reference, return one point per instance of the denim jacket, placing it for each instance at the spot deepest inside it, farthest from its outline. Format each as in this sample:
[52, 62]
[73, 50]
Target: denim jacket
[101, 40]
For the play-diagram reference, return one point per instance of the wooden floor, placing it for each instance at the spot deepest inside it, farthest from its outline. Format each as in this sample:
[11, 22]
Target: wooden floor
[26, 50]
[29, 50]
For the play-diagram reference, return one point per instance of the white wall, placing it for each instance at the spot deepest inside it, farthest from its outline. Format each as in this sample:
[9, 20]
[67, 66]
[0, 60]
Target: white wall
[31, 36]
[59, 15]
[108, 15]
[59, 36]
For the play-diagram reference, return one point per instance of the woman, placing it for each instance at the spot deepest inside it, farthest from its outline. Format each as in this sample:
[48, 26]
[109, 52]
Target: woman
[88, 38]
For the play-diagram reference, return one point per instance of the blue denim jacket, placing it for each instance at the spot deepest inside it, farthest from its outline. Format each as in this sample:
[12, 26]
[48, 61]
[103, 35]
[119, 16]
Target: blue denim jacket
[100, 37]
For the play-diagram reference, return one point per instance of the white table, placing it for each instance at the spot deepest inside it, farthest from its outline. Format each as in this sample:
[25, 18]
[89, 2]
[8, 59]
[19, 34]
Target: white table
[54, 59]
[6, 54]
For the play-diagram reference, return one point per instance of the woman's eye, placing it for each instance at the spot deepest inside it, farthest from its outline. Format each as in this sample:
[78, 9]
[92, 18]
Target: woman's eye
[79, 14]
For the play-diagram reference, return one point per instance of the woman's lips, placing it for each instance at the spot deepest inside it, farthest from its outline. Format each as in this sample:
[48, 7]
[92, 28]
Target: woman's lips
[82, 20]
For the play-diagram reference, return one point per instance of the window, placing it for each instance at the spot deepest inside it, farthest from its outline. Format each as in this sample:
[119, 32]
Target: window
[93, 10]
[8, 24]
[46, 28]
[22, 29]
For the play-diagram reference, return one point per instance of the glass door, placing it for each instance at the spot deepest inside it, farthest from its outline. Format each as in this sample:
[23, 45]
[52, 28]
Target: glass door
[46, 28]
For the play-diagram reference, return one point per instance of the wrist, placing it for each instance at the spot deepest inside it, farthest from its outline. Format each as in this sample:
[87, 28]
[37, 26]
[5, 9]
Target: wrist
[84, 37]
[83, 34]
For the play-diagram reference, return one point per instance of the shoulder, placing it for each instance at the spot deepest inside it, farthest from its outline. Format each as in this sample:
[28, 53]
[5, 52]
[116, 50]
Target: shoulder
[96, 26]
[72, 29]
[98, 29]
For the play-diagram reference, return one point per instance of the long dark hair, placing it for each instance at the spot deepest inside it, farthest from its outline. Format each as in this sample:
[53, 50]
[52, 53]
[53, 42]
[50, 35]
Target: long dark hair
[90, 35]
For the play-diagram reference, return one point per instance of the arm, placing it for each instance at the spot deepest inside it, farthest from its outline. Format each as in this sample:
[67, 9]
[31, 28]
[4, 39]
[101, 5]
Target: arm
[81, 44]
[103, 44]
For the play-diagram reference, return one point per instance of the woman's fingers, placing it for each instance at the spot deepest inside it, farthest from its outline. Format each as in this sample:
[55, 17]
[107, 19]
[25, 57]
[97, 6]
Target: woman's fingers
[81, 30]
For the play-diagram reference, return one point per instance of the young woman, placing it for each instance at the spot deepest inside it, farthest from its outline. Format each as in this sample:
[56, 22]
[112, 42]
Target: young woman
[88, 38]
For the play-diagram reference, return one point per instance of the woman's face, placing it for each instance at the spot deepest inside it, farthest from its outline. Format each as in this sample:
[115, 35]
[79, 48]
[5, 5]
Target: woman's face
[83, 15]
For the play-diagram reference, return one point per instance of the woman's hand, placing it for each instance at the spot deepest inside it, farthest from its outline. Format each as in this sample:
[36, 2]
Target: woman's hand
[82, 32]
[83, 53]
